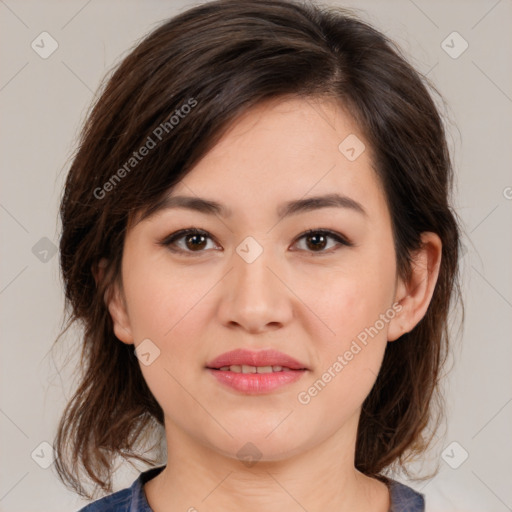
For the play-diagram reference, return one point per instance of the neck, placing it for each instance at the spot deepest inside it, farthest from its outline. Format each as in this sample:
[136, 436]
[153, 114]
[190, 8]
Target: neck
[322, 477]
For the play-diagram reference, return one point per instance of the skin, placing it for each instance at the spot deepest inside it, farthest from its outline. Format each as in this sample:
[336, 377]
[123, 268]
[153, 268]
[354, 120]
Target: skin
[291, 298]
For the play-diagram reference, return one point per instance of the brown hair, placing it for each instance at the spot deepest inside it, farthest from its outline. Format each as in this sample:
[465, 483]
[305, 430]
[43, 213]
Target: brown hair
[220, 59]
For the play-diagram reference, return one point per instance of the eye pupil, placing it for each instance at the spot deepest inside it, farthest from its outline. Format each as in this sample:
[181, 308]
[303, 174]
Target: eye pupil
[196, 237]
[316, 245]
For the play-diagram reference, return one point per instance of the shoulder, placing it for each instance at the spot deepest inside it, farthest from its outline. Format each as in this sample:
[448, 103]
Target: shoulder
[117, 502]
[131, 499]
[404, 498]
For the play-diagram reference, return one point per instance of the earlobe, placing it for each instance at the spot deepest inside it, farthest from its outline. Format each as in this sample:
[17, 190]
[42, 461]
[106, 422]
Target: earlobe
[396, 327]
[414, 296]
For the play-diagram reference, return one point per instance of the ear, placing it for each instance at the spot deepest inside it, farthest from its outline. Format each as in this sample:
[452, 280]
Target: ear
[414, 295]
[116, 304]
[118, 311]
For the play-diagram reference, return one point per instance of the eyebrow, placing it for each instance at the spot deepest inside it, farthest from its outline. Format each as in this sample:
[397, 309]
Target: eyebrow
[210, 207]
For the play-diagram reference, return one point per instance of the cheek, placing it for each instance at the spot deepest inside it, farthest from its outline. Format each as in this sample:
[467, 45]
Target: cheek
[355, 302]
[349, 361]
[351, 299]
[354, 354]
[162, 299]
[168, 309]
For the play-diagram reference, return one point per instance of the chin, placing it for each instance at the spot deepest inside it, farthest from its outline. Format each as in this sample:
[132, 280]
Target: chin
[259, 447]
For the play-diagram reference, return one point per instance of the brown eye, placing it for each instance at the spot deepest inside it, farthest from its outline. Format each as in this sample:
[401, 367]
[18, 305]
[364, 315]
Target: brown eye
[188, 241]
[317, 241]
[192, 241]
[195, 242]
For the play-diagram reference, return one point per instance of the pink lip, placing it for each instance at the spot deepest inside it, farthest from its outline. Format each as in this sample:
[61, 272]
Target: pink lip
[252, 358]
[256, 383]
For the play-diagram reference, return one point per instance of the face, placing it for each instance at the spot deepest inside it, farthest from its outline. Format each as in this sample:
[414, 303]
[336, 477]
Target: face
[249, 277]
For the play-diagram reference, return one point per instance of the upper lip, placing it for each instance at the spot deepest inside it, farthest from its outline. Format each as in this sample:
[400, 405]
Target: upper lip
[252, 358]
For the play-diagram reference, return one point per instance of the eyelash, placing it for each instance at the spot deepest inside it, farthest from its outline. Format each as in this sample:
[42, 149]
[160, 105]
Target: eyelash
[169, 240]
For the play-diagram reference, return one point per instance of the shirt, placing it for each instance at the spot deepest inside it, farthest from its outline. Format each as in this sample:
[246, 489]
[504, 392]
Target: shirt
[133, 499]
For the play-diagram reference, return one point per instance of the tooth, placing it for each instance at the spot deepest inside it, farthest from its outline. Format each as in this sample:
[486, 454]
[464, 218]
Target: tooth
[254, 369]
[264, 369]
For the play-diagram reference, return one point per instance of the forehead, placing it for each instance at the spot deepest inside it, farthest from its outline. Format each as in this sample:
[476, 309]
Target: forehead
[290, 125]
[292, 146]
[282, 150]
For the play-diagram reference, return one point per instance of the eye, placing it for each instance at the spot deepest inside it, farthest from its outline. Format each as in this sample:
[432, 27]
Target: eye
[192, 240]
[316, 240]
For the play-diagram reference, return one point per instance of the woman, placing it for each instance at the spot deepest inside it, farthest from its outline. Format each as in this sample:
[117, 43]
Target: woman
[258, 240]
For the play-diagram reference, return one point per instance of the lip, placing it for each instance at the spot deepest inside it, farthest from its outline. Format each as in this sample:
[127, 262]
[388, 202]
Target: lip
[253, 358]
[256, 383]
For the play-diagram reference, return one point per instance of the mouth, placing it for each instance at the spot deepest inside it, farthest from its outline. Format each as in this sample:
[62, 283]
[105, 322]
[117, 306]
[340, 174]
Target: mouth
[249, 361]
[256, 383]
[256, 372]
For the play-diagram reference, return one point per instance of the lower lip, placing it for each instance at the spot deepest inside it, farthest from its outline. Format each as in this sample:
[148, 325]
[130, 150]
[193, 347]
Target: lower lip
[256, 383]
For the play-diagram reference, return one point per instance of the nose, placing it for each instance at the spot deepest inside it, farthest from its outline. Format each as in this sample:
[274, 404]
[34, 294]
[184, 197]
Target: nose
[254, 296]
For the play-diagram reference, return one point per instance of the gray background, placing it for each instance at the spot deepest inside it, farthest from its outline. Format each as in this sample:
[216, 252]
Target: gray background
[44, 101]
